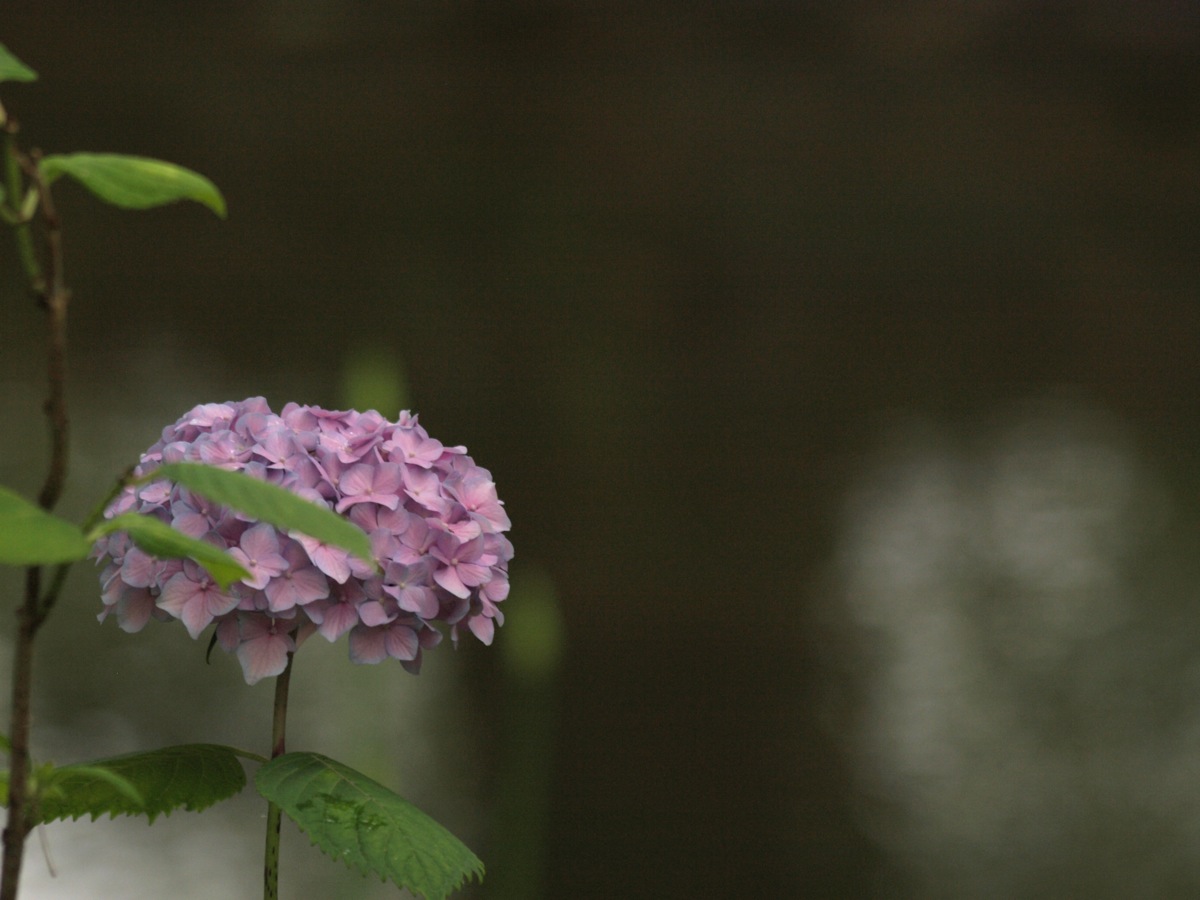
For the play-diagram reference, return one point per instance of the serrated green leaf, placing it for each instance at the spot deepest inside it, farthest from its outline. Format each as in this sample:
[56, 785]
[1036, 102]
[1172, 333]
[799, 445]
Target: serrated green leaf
[52, 788]
[191, 777]
[159, 539]
[30, 536]
[133, 182]
[12, 69]
[267, 503]
[359, 821]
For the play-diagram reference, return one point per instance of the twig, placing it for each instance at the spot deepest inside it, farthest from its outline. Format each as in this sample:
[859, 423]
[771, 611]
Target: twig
[55, 298]
[48, 287]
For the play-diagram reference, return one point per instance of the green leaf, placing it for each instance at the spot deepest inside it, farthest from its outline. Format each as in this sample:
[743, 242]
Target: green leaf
[51, 786]
[133, 182]
[191, 777]
[12, 69]
[359, 821]
[267, 503]
[30, 536]
[159, 539]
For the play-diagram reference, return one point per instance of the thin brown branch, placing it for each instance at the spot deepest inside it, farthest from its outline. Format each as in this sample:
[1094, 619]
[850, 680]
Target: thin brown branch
[55, 299]
[17, 829]
[47, 283]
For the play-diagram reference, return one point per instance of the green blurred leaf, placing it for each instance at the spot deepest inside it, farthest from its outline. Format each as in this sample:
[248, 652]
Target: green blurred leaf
[134, 182]
[12, 69]
[267, 503]
[159, 539]
[192, 777]
[533, 635]
[373, 378]
[30, 536]
[359, 821]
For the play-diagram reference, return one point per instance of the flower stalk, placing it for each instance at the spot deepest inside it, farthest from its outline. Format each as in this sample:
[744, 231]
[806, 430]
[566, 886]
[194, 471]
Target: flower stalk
[274, 816]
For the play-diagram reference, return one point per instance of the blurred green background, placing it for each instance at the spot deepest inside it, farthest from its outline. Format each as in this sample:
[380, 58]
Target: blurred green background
[837, 365]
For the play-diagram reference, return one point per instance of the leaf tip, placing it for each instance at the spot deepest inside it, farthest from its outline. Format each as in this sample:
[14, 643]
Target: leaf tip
[217, 204]
[12, 69]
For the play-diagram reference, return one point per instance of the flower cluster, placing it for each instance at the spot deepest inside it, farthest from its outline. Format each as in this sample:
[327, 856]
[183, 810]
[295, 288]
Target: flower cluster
[434, 520]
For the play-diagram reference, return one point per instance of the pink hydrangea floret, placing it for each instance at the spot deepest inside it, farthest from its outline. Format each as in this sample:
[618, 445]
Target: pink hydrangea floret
[435, 523]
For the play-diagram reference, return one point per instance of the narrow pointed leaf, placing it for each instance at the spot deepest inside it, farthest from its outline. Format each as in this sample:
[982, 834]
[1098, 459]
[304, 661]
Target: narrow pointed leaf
[159, 539]
[268, 503]
[12, 69]
[359, 821]
[134, 182]
[30, 536]
[191, 777]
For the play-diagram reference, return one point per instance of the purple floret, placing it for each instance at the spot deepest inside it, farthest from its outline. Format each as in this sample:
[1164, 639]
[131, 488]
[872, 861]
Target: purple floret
[435, 523]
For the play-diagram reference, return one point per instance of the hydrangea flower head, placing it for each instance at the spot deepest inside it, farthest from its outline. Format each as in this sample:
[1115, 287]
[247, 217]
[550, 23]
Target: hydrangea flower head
[435, 524]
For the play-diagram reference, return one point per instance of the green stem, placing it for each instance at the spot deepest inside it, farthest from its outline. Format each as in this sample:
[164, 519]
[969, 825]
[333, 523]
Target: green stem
[274, 815]
[14, 188]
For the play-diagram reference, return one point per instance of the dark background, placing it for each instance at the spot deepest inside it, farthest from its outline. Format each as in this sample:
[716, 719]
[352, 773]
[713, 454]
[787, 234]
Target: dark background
[717, 292]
